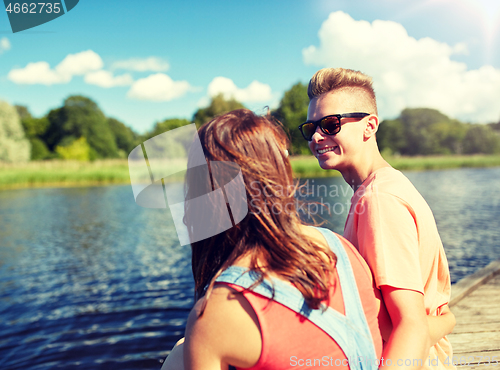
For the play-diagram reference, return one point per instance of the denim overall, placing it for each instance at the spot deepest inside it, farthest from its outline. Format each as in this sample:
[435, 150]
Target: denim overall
[351, 332]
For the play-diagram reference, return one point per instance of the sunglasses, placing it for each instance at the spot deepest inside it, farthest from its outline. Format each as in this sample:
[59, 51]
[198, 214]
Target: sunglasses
[329, 125]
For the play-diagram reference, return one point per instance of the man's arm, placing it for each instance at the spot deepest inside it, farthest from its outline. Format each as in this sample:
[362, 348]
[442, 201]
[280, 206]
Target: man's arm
[441, 325]
[409, 343]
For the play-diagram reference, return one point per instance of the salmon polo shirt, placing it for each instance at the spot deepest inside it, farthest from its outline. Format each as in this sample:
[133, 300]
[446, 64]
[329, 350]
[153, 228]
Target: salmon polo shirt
[393, 228]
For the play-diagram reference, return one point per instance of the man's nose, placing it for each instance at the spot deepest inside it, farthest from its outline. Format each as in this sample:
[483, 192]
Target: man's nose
[318, 135]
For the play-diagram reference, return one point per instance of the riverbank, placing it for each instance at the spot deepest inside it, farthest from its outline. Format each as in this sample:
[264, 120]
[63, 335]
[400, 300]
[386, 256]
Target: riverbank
[59, 173]
[115, 171]
[307, 166]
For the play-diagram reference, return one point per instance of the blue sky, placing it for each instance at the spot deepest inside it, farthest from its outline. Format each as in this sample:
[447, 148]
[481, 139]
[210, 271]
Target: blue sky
[144, 61]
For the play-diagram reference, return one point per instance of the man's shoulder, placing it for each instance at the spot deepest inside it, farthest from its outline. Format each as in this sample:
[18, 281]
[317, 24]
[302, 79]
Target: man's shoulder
[390, 182]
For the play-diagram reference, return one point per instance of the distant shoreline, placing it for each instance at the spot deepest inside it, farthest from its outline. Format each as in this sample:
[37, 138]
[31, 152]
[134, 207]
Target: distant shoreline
[307, 166]
[59, 173]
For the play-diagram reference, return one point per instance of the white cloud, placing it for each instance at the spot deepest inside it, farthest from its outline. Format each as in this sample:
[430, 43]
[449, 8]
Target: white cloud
[35, 73]
[255, 92]
[152, 64]
[106, 79]
[71, 65]
[80, 63]
[158, 87]
[4, 44]
[407, 72]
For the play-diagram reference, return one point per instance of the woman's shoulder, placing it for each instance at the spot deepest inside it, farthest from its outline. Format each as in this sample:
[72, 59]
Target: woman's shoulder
[314, 234]
[218, 329]
[225, 305]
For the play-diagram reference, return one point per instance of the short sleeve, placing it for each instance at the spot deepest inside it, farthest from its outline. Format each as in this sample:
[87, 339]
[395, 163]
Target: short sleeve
[388, 240]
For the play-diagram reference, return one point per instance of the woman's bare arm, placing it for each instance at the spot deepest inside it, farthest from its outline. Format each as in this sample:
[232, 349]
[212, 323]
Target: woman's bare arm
[214, 340]
[175, 360]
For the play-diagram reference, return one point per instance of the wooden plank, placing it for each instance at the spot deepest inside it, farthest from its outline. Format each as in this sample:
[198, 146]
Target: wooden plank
[484, 300]
[494, 281]
[478, 304]
[467, 327]
[468, 309]
[487, 291]
[490, 285]
[462, 362]
[474, 358]
[475, 342]
[493, 355]
[479, 367]
[488, 288]
[471, 282]
[477, 319]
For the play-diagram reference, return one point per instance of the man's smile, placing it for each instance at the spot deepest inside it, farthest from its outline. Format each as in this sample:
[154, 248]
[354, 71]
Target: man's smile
[326, 149]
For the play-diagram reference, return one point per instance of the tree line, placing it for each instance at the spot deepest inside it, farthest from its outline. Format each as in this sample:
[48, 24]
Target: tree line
[80, 130]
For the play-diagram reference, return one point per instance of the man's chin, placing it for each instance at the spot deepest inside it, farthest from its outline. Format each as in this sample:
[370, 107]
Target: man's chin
[325, 165]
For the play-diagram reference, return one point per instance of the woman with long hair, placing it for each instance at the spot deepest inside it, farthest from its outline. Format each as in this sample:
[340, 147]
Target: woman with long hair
[271, 292]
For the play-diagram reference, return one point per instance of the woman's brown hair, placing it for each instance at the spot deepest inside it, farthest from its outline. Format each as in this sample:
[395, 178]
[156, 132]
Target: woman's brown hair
[270, 232]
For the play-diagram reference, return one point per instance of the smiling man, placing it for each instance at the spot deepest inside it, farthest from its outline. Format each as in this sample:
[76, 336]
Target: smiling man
[389, 221]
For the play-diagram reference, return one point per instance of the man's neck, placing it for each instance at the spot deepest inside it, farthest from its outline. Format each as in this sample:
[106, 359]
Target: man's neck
[365, 165]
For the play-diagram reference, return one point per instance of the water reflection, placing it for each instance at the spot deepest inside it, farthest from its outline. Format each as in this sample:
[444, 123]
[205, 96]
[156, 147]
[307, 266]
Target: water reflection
[327, 202]
[88, 275]
[466, 205]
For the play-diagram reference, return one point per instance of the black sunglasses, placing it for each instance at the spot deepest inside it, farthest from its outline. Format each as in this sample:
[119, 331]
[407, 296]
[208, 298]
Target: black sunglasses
[329, 125]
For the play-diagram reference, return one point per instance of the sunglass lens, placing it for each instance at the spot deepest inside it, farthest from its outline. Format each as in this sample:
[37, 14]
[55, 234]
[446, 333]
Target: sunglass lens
[309, 129]
[330, 125]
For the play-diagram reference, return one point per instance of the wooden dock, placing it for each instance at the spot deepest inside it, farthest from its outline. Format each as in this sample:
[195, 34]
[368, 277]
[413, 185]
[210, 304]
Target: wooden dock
[475, 301]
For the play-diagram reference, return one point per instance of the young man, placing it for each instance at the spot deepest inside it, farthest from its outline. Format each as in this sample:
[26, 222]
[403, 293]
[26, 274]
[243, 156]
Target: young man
[389, 222]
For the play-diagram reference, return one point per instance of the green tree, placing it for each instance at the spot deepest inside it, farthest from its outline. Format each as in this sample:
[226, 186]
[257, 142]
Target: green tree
[292, 111]
[417, 125]
[34, 129]
[14, 147]
[78, 150]
[421, 131]
[39, 150]
[391, 137]
[167, 146]
[81, 117]
[449, 136]
[481, 139]
[126, 139]
[166, 125]
[218, 105]
[495, 126]
[22, 111]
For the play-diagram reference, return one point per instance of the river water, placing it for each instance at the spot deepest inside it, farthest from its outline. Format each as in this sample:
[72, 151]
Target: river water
[90, 280]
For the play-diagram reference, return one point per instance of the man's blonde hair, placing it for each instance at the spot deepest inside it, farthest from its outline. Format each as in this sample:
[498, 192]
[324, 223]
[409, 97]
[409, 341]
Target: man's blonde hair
[331, 79]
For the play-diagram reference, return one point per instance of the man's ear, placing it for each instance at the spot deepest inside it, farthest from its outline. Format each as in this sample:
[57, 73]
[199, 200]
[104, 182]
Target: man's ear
[371, 126]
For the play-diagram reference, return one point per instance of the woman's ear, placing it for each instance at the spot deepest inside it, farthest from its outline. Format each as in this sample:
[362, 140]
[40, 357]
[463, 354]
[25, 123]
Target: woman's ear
[371, 126]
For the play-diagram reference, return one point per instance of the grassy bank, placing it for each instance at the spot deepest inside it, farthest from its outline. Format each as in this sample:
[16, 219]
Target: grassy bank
[63, 173]
[308, 167]
[115, 171]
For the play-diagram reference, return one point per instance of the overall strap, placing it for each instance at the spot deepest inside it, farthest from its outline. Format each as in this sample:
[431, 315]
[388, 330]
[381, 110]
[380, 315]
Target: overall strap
[350, 331]
[352, 301]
